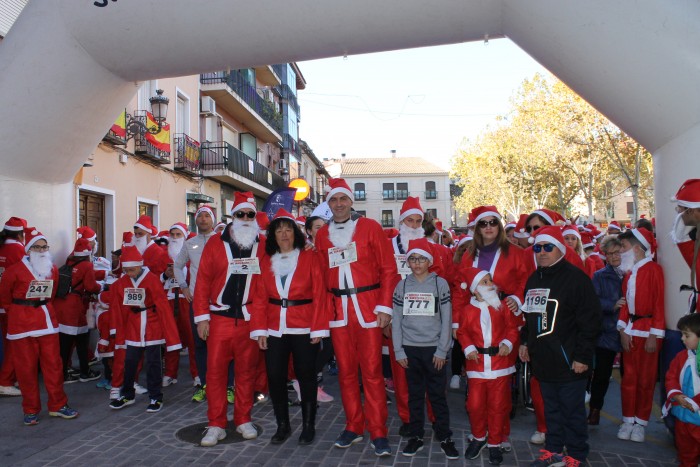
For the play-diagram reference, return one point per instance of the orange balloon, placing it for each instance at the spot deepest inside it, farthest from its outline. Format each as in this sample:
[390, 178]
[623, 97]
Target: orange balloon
[302, 187]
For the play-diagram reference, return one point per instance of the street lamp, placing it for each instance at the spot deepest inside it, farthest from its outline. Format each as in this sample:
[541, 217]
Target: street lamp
[159, 109]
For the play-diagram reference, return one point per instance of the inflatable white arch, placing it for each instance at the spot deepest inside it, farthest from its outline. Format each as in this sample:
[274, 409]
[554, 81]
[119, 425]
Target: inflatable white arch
[69, 66]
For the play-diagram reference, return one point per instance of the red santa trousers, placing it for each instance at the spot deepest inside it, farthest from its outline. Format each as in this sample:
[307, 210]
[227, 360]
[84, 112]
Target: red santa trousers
[7, 370]
[229, 339]
[398, 375]
[184, 329]
[687, 438]
[28, 354]
[638, 382]
[538, 404]
[488, 406]
[357, 348]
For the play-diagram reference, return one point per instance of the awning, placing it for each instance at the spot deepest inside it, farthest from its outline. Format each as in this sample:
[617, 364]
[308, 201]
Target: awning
[199, 198]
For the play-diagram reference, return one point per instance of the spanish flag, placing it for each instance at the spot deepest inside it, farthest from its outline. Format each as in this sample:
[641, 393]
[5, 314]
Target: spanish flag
[119, 127]
[161, 140]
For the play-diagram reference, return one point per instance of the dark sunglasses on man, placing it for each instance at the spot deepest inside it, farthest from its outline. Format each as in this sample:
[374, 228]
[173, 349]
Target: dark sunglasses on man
[547, 247]
[241, 214]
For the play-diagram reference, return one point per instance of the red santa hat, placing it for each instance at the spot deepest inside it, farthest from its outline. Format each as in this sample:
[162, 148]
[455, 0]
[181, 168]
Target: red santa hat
[220, 224]
[131, 257]
[301, 220]
[262, 219]
[520, 231]
[179, 226]
[471, 278]
[87, 233]
[104, 298]
[485, 211]
[571, 230]
[82, 247]
[688, 195]
[410, 207]
[206, 209]
[614, 225]
[243, 200]
[31, 236]
[551, 234]
[509, 225]
[587, 240]
[144, 223]
[191, 235]
[162, 234]
[283, 214]
[339, 185]
[470, 219]
[420, 246]
[15, 224]
[465, 239]
[127, 239]
[438, 226]
[647, 240]
[552, 217]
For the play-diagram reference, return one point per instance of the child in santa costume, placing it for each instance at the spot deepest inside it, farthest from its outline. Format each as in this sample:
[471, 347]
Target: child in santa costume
[155, 258]
[487, 333]
[105, 344]
[683, 399]
[143, 322]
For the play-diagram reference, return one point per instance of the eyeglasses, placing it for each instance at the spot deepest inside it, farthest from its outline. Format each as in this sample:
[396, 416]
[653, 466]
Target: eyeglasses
[491, 223]
[531, 228]
[548, 247]
[39, 248]
[417, 259]
[249, 214]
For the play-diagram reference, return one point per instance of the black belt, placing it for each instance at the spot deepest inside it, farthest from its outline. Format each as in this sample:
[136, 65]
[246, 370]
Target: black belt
[492, 351]
[636, 317]
[34, 303]
[287, 303]
[354, 290]
[137, 309]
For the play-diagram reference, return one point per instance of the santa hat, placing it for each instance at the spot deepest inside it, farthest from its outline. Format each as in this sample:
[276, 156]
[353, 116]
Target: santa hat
[571, 230]
[262, 219]
[471, 278]
[181, 227]
[470, 219]
[82, 247]
[520, 231]
[104, 298]
[509, 225]
[485, 211]
[551, 234]
[410, 207]
[31, 236]
[438, 226]
[614, 225]
[191, 235]
[162, 234]
[15, 224]
[87, 233]
[131, 257]
[144, 223]
[206, 209]
[283, 214]
[647, 239]
[339, 185]
[127, 239]
[420, 246]
[552, 217]
[243, 200]
[220, 224]
[688, 195]
[465, 239]
[301, 220]
[587, 240]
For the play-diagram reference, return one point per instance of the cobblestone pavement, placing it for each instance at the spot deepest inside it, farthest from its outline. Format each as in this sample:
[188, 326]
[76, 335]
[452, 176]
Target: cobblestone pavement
[131, 437]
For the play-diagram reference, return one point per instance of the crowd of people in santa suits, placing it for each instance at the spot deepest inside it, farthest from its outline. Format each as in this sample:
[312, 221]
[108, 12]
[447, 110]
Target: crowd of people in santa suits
[257, 301]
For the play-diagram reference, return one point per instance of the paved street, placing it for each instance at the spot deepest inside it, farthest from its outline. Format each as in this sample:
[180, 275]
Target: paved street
[131, 437]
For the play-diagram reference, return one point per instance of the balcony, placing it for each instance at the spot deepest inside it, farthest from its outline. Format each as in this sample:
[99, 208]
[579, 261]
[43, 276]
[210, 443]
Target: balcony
[291, 146]
[144, 148]
[431, 195]
[286, 93]
[267, 75]
[238, 97]
[222, 162]
[187, 155]
[112, 138]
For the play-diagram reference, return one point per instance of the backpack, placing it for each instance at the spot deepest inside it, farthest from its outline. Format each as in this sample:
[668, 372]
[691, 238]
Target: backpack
[65, 279]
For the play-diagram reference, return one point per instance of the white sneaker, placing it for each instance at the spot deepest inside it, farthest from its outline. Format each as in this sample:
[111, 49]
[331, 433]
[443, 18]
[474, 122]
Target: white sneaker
[114, 393]
[588, 397]
[506, 446]
[454, 382]
[167, 381]
[625, 431]
[197, 381]
[140, 389]
[637, 434]
[212, 436]
[247, 430]
[538, 437]
[323, 396]
[9, 391]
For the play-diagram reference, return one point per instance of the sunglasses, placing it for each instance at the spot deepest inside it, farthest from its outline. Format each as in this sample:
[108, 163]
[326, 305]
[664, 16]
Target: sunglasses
[491, 223]
[241, 214]
[548, 247]
[531, 228]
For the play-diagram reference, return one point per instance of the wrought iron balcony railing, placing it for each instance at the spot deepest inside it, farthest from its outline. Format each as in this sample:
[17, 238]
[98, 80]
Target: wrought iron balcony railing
[221, 155]
[187, 154]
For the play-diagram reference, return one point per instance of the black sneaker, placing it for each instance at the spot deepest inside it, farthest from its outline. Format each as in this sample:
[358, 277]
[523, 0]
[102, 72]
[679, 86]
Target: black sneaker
[495, 455]
[414, 446]
[154, 406]
[120, 403]
[449, 449]
[91, 375]
[405, 430]
[474, 449]
[70, 378]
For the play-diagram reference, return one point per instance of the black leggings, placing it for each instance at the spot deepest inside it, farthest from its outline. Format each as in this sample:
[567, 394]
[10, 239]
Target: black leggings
[458, 358]
[325, 354]
[304, 359]
[601, 376]
[81, 342]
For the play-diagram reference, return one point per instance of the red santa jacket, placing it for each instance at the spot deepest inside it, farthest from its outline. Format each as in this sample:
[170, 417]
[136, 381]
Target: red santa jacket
[105, 345]
[156, 259]
[482, 327]
[305, 282]
[20, 283]
[11, 252]
[214, 273]
[71, 309]
[590, 265]
[643, 288]
[375, 267]
[599, 263]
[687, 249]
[685, 359]
[153, 325]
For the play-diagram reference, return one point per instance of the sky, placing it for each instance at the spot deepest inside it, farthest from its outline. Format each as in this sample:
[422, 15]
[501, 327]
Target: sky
[420, 102]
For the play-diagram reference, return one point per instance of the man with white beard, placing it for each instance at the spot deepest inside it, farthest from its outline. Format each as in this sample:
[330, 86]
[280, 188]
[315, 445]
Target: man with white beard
[229, 265]
[26, 291]
[155, 258]
[361, 272]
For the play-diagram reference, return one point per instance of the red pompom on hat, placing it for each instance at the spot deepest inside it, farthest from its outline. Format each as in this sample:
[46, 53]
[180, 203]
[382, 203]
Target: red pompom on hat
[82, 247]
[410, 207]
[87, 233]
[243, 200]
[552, 217]
[181, 227]
[420, 246]
[127, 239]
[520, 231]
[688, 195]
[144, 223]
[485, 211]
[206, 209]
[283, 214]
[587, 240]
[647, 240]
[15, 224]
[470, 278]
[339, 185]
[614, 225]
[262, 219]
[551, 234]
[131, 257]
[31, 236]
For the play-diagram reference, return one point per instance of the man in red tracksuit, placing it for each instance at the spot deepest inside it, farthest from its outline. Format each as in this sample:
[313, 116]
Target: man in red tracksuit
[361, 271]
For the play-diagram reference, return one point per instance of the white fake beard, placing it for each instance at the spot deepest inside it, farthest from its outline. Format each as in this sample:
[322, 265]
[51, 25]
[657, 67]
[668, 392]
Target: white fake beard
[175, 246]
[141, 243]
[489, 294]
[41, 264]
[627, 261]
[244, 233]
[341, 234]
[284, 263]
[407, 234]
[95, 248]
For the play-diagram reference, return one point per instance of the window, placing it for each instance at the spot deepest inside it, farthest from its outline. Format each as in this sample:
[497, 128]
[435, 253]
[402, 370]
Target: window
[401, 190]
[388, 191]
[430, 191]
[630, 207]
[146, 209]
[432, 212]
[145, 92]
[249, 145]
[362, 213]
[182, 114]
[360, 193]
[387, 218]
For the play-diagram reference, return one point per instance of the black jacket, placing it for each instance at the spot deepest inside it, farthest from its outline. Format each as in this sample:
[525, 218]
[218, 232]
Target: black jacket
[571, 324]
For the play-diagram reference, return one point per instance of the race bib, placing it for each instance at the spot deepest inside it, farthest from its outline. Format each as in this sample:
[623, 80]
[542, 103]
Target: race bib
[40, 289]
[135, 297]
[244, 266]
[419, 304]
[171, 284]
[536, 301]
[342, 255]
[402, 264]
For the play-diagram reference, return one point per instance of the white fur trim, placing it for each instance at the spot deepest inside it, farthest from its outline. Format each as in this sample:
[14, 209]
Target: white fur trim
[342, 190]
[571, 231]
[487, 214]
[143, 227]
[545, 216]
[637, 234]
[240, 206]
[410, 212]
[131, 264]
[33, 241]
[81, 253]
[480, 275]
